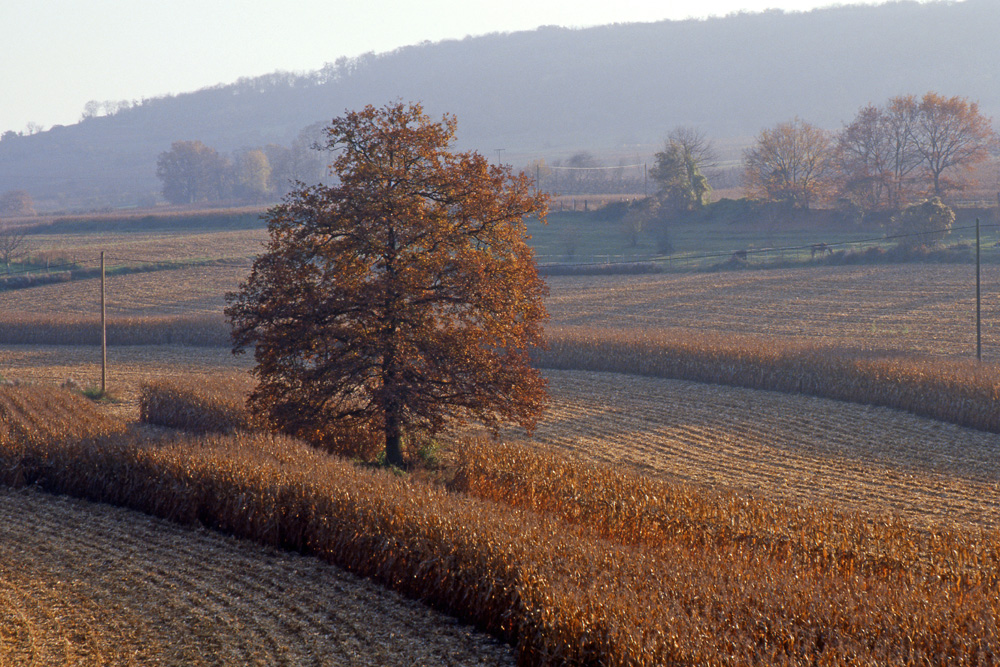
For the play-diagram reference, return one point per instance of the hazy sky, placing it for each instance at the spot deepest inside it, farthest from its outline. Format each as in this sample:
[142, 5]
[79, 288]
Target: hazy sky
[55, 55]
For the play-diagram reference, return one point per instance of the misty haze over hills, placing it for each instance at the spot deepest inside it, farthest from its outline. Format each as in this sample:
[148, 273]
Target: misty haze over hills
[612, 90]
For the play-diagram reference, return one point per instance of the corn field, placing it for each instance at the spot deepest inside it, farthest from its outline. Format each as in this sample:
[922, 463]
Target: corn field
[92, 585]
[571, 563]
[951, 390]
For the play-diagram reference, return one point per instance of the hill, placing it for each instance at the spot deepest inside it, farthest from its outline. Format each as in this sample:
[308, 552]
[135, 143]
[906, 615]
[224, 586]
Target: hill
[613, 90]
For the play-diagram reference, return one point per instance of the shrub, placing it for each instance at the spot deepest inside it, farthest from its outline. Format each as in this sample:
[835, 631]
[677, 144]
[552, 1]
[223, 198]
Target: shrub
[925, 223]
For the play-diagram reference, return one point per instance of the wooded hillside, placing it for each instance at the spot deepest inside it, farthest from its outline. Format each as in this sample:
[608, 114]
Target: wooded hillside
[614, 90]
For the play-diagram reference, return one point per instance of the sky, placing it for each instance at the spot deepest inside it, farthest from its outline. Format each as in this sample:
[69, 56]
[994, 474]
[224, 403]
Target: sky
[56, 55]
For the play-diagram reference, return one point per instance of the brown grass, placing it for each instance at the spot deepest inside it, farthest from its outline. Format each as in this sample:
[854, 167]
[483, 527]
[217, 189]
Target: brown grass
[584, 565]
[812, 581]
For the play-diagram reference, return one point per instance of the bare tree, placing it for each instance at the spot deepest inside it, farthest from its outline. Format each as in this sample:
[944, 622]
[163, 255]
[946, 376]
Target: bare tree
[876, 155]
[793, 162]
[950, 133]
[13, 244]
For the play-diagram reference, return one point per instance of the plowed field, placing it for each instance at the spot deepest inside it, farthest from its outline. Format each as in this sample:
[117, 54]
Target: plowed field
[915, 308]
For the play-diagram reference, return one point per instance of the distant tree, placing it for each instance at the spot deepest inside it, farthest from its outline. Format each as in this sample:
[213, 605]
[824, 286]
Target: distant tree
[877, 156]
[682, 186]
[91, 109]
[636, 220]
[298, 163]
[580, 170]
[191, 172]
[252, 175]
[14, 203]
[792, 162]
[307, 164]
[13, 244]
[949, 134]
[925, 223]
[399, 299]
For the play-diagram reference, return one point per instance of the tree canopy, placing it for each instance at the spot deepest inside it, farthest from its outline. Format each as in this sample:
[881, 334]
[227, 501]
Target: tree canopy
[949, 133]
[889, 155]
[191, 172]
[791, 162]
[401, 298]
[682, 186]
[924, 223]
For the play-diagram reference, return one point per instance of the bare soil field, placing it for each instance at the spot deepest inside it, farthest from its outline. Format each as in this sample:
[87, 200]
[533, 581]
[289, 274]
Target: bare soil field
[88, 584]
[915, 308]
[188, 290]
[151, 246]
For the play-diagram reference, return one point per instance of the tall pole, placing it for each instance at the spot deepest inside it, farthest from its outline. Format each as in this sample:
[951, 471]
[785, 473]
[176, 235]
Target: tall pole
[104, 335]
[979, 302]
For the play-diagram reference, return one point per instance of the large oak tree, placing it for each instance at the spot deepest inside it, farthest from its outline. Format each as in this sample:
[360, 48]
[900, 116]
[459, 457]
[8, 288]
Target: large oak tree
[401, 298]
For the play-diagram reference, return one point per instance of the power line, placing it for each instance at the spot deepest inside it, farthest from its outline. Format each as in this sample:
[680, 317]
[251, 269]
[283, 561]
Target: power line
[624, 166]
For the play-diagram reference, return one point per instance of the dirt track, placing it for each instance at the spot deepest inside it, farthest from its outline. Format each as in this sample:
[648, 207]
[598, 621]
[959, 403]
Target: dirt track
[88, 584]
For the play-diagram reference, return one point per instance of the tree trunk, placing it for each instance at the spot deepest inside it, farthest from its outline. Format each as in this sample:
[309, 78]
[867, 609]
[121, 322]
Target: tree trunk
[393, 440]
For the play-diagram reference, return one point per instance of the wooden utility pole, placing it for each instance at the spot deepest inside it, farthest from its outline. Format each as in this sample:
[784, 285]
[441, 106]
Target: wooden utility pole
[104, 335]
[979, 302]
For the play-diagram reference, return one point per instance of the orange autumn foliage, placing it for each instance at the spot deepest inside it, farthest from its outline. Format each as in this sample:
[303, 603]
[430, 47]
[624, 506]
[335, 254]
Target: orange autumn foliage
[400, 299]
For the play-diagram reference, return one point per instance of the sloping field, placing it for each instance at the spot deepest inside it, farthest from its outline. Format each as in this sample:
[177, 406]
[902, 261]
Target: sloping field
[810, 451]
[188, 290]
[803, 449]
[88, 584]
[151, 246]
